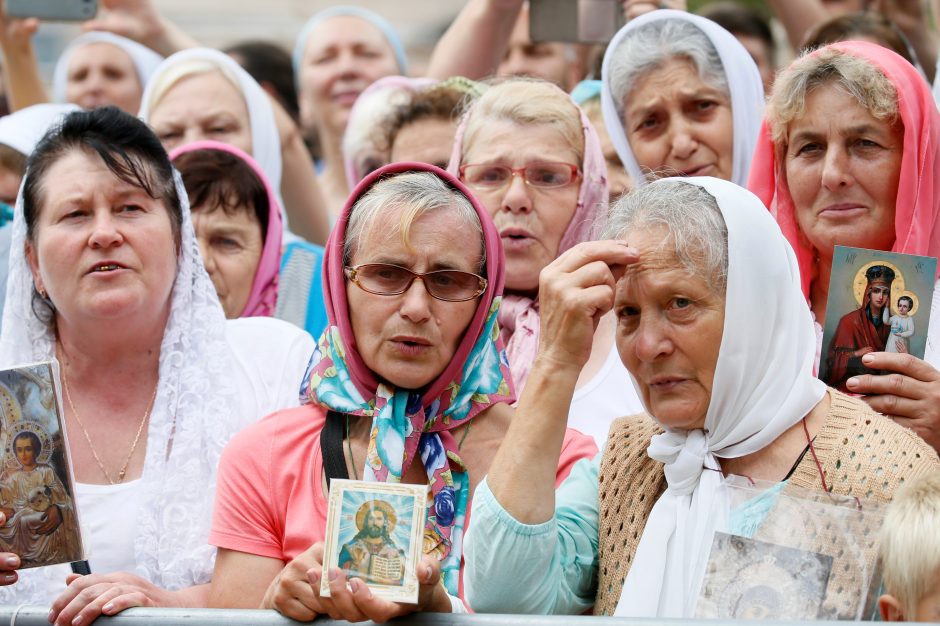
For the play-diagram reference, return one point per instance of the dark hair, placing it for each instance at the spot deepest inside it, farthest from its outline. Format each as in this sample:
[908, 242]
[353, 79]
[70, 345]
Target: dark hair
[882, 272]
[269, 64]
[433, 103]
[740, 19]
[33, 439]
[216, 179]
[854, 25]
[910, 301]
[128, 148]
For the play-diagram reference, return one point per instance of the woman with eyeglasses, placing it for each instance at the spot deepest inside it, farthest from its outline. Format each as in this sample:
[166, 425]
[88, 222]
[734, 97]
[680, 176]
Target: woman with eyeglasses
[532, 157]
[409, 384]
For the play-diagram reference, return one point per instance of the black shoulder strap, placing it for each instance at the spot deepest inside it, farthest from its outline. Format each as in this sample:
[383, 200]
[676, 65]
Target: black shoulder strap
[331, 444]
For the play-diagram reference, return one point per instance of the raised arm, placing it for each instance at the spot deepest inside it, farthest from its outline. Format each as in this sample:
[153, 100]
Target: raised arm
[798, 17]
[912, 17]
[141, 21]
[476, 41]
[528, 551]
[575, 291]
[24, 86]
[304, 202]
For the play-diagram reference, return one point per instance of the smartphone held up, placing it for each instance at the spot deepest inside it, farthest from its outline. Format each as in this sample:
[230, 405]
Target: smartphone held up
[52, 10]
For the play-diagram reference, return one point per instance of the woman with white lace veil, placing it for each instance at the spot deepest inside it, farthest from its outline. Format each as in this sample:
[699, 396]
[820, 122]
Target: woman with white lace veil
[727, 390]
[155, 380]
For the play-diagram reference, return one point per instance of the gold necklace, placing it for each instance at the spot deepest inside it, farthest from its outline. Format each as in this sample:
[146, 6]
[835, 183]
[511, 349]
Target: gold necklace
[140, 429]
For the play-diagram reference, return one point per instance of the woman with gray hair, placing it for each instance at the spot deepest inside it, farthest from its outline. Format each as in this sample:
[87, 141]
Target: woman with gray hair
[409, 384]
[624, 532]
[681, 97]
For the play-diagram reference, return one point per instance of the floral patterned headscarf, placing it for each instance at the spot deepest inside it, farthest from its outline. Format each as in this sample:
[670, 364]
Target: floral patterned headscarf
[410, 424]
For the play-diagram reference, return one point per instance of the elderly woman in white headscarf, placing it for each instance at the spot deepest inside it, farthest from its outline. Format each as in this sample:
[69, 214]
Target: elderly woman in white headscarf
[201, 93]
[716, 333]
[681, 97]
[105, 277]
[98, 69]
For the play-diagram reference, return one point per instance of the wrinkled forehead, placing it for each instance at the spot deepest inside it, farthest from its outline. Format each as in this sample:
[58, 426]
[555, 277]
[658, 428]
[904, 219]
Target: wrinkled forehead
[391, 229]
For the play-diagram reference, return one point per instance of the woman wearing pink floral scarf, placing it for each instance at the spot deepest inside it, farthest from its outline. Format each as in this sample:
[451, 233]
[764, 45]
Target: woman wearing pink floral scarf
[409, 384]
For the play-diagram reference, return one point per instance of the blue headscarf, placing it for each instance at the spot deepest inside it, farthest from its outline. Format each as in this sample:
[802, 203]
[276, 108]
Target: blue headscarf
[370, 16]
[586, 90]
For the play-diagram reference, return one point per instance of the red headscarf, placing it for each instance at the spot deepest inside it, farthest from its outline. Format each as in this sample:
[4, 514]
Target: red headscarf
[917, 230]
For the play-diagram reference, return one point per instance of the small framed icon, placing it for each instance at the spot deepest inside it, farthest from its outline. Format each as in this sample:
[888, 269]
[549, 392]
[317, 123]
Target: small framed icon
[375, 532]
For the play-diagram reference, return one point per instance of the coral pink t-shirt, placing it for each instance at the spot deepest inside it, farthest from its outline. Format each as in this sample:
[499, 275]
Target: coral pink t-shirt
[270, 499]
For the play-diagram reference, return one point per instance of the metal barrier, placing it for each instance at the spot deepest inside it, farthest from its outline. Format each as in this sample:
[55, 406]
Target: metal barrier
[36, 616]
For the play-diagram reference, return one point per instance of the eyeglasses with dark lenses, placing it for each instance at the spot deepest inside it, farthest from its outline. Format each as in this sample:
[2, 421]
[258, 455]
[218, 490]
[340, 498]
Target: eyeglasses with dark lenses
[545, 175]
[385, 279]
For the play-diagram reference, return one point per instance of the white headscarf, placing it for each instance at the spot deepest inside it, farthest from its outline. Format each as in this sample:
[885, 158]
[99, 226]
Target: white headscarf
[744, 83]
[22, 130]
[763, 385]
[265, 139]
[195, 395]
[145, 60]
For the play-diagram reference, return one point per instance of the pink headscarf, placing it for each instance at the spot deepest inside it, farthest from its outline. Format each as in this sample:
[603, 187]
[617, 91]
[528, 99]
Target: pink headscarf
[334, 284]
[263, 296]
[917, 229]
[415, 425]
[519, 315]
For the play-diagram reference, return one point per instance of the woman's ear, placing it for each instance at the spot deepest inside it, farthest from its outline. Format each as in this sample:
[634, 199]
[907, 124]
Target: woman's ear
[890, 609]
[33, 260]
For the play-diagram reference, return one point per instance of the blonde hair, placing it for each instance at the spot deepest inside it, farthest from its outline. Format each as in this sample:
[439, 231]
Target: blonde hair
[910, 542]
[856, 76]
[525, 101]
[184, 69]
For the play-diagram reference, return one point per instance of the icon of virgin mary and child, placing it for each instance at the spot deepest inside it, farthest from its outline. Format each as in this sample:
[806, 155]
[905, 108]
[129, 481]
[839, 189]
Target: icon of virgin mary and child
[869, 328]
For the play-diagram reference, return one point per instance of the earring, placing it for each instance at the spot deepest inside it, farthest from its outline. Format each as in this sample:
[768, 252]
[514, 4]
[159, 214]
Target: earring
[43, 294]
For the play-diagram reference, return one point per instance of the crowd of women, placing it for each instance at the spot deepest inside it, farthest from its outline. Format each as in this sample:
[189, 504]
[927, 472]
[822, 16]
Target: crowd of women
[489, 314]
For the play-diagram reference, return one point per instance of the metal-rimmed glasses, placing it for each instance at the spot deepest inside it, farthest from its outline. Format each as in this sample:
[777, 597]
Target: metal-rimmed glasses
[385, 279]
[543, 174]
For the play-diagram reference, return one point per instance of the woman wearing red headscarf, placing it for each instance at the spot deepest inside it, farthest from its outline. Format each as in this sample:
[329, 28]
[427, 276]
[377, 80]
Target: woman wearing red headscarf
[409, 383]
[848, 156]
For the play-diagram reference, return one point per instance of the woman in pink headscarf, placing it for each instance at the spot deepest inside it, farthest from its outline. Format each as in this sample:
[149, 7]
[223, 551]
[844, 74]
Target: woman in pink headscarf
[533, 158]
[867, 178]
[238, 223]
[409, 384]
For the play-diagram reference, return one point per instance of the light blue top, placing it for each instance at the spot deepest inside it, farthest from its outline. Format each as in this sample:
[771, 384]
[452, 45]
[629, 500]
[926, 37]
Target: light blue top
[548, 568]
[551, 568]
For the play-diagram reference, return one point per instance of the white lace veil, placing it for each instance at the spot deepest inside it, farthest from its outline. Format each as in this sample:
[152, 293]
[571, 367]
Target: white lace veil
[195, 397]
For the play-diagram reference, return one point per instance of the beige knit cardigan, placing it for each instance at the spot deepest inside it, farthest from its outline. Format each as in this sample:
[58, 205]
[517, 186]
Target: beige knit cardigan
[862, 454]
